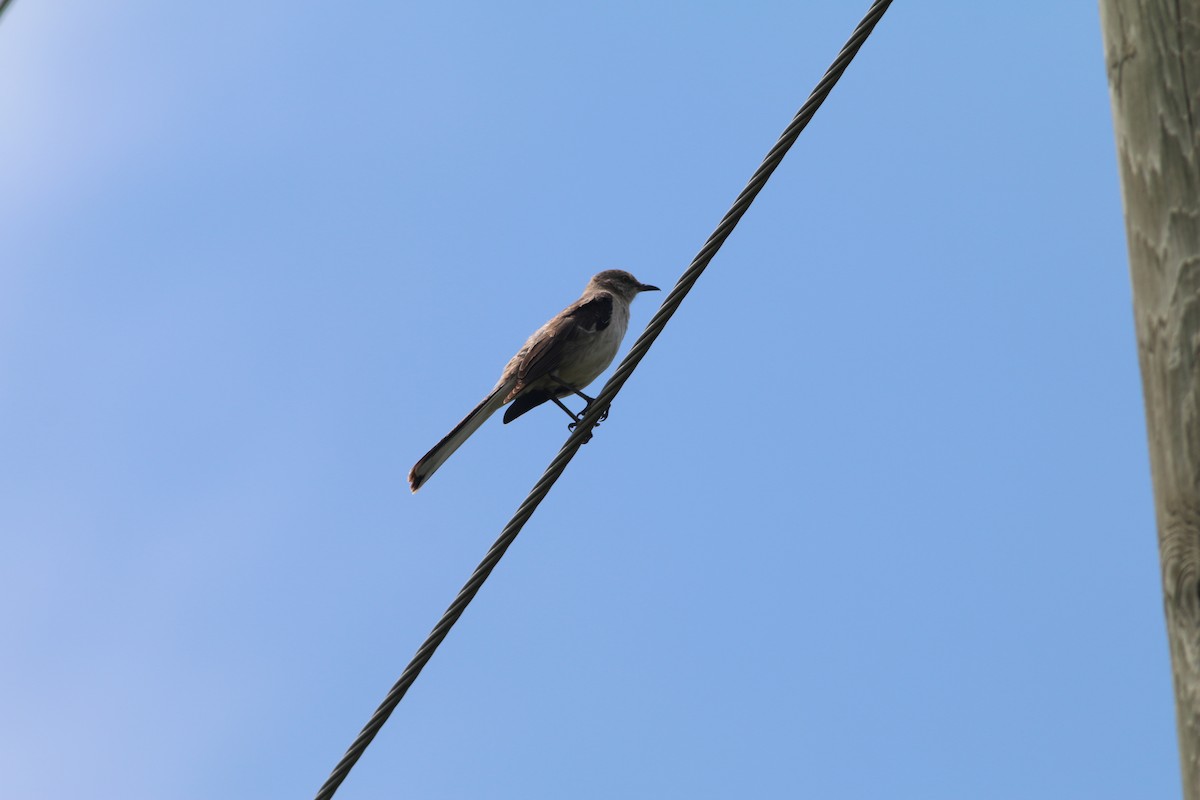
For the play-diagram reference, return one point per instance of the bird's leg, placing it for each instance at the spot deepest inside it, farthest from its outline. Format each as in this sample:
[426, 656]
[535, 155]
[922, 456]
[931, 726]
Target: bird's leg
[568, 411]
[573, 416]
[586, 399]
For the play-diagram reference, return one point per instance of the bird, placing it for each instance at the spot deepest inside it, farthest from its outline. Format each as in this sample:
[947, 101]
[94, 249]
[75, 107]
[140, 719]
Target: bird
[561, 358]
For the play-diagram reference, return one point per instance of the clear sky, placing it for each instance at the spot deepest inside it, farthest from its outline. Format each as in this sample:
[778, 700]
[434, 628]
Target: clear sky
[873, 518]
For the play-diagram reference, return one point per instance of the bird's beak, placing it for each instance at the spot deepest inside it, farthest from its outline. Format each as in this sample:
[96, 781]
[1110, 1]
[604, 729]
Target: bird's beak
[645, 287]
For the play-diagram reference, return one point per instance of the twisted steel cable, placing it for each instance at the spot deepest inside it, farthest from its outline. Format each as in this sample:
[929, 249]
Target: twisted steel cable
[604, 398]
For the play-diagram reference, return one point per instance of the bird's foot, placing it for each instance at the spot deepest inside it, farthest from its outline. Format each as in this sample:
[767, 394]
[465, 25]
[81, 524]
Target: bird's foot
[579, 418]
[603, 414]
[586, 438]
[587, 398]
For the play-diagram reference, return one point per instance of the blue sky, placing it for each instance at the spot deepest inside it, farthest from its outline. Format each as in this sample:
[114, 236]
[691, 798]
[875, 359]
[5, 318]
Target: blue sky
[872, 519]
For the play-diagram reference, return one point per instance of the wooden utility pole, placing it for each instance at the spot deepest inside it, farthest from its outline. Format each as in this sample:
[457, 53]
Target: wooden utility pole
[1152, 54]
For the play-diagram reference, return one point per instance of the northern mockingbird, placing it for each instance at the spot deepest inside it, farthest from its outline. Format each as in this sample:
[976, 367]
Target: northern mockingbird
[560, 358]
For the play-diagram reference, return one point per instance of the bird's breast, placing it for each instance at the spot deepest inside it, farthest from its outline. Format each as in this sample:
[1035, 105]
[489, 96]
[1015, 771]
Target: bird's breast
[597, 349]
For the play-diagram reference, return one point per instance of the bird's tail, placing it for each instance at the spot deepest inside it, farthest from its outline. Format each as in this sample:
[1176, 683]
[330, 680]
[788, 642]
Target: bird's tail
[454, 439]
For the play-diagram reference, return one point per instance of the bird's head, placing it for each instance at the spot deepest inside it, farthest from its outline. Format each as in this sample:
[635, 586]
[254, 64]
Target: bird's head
[620, 283]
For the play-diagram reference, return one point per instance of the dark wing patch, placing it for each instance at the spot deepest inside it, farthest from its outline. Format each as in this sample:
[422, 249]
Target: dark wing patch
[544, 356]
[595, 314]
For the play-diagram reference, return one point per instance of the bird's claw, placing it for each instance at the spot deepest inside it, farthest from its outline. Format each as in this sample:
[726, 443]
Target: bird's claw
[579, 419]
[575, 425]
[603, 414]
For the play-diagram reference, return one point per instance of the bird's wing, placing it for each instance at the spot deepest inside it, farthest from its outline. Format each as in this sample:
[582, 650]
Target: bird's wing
[545, 353]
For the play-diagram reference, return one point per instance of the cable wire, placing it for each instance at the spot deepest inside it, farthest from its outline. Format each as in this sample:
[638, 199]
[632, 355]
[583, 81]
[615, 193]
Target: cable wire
[604, 399]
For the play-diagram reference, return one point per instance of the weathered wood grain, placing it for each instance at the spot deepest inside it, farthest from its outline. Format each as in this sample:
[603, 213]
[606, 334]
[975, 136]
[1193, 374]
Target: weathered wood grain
[1152, 54]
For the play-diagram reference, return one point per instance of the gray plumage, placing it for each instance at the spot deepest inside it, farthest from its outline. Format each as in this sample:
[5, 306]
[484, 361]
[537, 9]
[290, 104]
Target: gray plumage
[573, 348]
